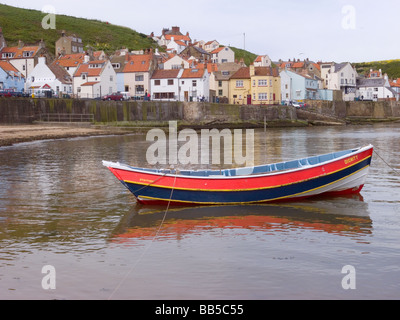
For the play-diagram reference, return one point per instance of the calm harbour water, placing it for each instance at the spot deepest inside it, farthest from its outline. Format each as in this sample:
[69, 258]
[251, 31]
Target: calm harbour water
[59, 206]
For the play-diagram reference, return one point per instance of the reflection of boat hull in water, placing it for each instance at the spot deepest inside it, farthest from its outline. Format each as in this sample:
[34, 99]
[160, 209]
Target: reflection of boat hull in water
[335, 174]
[325, 216]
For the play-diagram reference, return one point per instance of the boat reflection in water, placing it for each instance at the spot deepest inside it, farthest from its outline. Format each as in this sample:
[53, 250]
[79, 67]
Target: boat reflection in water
[322, 216]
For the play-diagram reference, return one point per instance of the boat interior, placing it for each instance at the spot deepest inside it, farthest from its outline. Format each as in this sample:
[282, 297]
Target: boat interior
[257, 170]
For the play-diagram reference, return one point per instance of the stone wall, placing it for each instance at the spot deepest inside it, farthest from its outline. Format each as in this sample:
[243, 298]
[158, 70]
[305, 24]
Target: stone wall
[30, 110]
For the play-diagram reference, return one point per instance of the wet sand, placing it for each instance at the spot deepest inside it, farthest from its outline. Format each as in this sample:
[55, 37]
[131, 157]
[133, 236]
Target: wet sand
[13, 134]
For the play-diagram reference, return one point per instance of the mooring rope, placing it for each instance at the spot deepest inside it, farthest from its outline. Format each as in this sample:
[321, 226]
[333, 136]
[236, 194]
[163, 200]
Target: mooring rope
[391, 167]
[152, 241]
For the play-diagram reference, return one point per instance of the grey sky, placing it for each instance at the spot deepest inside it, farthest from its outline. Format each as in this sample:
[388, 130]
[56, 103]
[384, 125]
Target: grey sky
[317, 29]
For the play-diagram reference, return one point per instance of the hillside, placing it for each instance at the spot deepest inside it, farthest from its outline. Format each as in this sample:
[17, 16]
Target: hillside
[391, 67]
[248, 57]
[26, 25]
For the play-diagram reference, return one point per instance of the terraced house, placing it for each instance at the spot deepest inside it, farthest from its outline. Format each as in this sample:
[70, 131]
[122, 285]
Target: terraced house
[255, 86]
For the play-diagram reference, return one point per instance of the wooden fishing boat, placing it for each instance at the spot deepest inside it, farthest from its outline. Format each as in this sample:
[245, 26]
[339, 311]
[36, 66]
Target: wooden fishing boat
[337, 173]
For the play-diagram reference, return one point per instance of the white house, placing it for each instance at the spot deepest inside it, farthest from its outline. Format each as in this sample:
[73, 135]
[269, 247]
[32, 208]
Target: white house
[48, 80]
[181, 85]
[263, 61]
[94, 79]
[194, 85]
[211, 45]
[223, 55]
[340, 76]
[165, 84]
[176, 62]
[176, 46]
[375, 89]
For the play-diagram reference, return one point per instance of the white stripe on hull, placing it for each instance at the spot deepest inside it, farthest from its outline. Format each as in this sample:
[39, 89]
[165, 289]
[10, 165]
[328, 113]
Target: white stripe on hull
[354, 181]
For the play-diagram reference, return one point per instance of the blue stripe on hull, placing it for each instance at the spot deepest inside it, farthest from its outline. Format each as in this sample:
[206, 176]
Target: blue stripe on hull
[226, 197]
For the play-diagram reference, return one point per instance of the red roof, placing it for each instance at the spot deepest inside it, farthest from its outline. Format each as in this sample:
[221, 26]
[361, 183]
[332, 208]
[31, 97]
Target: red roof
[19, 52]
[89, 84]
[177, 37]
[91, 71]
[7, 67]
[165, 74]
[218, 50]
[138, 63]
[70, 60]
[193, 73]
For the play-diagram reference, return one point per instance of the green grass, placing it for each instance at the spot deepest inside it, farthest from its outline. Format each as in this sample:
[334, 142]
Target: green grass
[26, 25]
[391, 67]
[247, 56]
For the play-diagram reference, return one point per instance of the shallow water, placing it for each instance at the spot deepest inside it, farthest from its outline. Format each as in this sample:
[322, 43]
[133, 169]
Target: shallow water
[59, 206]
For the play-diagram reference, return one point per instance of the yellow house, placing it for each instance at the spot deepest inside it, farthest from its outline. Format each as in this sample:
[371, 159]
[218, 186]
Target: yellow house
[240, 87]
[256, 86]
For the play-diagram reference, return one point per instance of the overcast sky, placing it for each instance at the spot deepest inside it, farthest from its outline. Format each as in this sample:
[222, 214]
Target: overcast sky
[327, 30]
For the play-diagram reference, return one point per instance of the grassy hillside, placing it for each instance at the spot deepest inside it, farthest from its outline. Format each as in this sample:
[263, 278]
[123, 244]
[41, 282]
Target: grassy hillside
[26, 25]
[248, 57]
[391, 67]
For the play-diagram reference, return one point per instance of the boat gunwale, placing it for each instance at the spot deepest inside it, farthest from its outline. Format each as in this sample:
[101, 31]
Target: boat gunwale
[124, 167]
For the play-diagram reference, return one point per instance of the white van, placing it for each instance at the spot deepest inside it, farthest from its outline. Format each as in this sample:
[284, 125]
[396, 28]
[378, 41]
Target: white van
[127, 95]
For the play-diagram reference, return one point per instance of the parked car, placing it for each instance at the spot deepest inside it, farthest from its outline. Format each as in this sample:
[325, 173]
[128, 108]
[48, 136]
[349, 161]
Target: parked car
[114, 96]
[299, 104]
[127, 95]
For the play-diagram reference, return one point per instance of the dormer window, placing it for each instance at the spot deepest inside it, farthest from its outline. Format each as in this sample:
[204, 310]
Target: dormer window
[84, 75]
[28, 54]
[8, 55]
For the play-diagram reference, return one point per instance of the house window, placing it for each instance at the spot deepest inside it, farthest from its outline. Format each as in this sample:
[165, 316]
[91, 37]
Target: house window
[170, 82]
[27, 54]
[83, 76]
[194, 83]
[220, 93]
[376, 89]
[111, 78]
[262, 83]
[219, 83]
[116, 65]
[139, 77]
[139, 89]
[286, 86]
[126, 88]
[239, 84]
[263, 96]
[176, 66]
[33, 79]
[270, 83]
[8, 55]
[157, 82]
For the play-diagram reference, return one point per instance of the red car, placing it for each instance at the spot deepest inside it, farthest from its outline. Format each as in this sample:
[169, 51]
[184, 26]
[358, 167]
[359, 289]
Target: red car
[114, 97]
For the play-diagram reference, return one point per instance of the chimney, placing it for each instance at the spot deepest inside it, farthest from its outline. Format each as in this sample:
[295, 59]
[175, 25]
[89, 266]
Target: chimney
[63, 33]
[20, 44]
[42, 60]
[86, 59]
[42, 44]
[252, 70]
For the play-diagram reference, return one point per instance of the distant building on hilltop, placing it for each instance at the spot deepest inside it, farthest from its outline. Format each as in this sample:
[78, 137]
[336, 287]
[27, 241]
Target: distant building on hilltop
[68, 45]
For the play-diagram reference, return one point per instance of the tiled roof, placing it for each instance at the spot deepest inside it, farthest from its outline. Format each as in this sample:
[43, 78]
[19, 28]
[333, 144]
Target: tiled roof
[89, 84]
[60, 73]
[71, 60]
[218, 50]
[7, 67]
[165, 74]
[138, 63]
[177, 37]
[193, 73]
[20, 51]
[242, 73]
[266, 71]
[91, 72]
